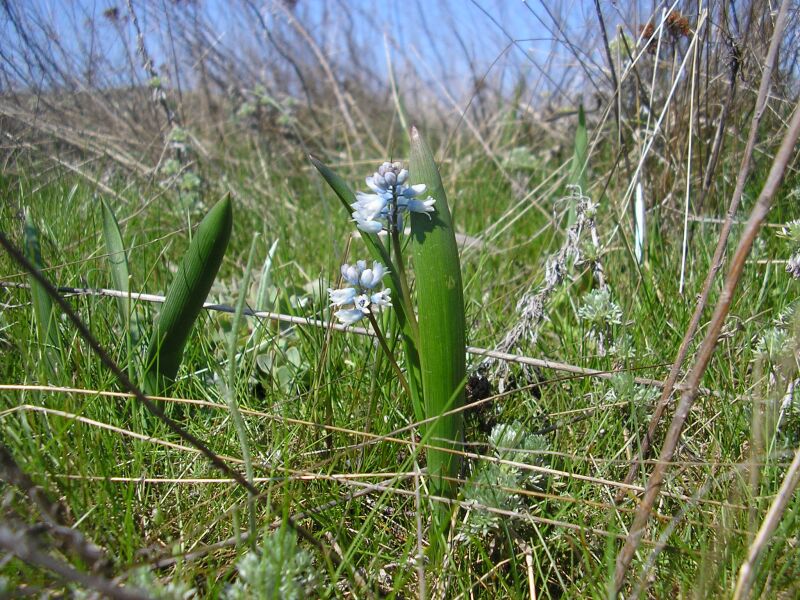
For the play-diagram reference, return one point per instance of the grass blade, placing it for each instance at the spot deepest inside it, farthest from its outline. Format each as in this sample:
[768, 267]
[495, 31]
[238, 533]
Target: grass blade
[186, 295]
[230, 391]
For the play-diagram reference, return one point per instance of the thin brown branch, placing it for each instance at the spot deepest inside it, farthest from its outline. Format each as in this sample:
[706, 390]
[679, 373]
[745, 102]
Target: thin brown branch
[709, 344]
[54, 512]
[719, 252]
[25, 543]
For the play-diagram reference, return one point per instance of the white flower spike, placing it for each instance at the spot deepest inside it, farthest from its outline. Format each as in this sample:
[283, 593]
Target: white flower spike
[383, 209]
[360, 294]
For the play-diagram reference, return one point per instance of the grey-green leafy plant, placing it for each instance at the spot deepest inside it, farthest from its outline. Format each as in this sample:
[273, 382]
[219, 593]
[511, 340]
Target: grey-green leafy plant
[144, 579]
[284, 365]
[511, 442]
[491, 487]
[499, 485]
[600, 314]
[185, 297]
[279, 569]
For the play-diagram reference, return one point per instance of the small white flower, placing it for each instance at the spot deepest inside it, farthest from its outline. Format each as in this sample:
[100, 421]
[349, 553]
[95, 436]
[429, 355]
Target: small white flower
[372, 277]
[382, 298]
[370, 205]
[342, 296]
[368, 225]
[414, 190]
[391, 198]
[352, 273]
[363, 281]
[362, 303]
[349, 316]
[421, 206]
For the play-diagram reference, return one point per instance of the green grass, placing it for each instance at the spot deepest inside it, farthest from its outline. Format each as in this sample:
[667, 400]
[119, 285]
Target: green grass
[140, 522]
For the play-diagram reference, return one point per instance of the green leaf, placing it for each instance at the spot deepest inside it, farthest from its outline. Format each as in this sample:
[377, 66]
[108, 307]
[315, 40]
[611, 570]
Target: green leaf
[118, 260]
[580, 157]
[440, 304]
[185, 297]
[46, 320]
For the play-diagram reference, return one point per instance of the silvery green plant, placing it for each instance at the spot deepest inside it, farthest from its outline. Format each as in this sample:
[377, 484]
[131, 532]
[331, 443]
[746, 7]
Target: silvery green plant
[601, 314]
[511, 442]
[640, 398]
[144, 579]
[497, 485]
[278, 569]
[773, 345]
[775, 361]
[490, 487]
[432, 324]
[791, 232]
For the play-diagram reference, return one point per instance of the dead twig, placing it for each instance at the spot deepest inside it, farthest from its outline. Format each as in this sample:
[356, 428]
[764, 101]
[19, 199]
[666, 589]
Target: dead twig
[55, 514]
[709, 344]
[24, 542]
[716, 261]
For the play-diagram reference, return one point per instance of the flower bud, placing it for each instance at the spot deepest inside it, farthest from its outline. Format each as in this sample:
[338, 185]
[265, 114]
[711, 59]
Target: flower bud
[390, 178]
[402, 176]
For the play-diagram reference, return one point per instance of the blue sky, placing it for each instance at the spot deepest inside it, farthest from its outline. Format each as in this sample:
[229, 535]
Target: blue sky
[448, 39]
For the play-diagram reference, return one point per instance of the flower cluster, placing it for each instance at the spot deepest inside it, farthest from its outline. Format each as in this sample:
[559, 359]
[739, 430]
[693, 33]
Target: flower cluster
[360, 293]
[392, 196]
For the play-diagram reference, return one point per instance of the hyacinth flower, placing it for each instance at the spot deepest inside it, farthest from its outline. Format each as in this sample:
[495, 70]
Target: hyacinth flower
[431, 324]
[361, 295]
[391, 198]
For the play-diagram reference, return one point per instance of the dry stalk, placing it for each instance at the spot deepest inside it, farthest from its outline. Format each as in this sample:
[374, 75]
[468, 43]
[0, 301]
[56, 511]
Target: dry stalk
[24, 542]
[747, 571]
[716, 261]
[492, 355]
[55, 514]
[531, 306]
[757, 217]
[147, 62]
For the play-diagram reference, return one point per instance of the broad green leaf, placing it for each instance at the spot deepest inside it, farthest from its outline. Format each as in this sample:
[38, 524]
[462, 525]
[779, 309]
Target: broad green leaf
[118, 259]
[440, 307]
[46, 320]
[185, 297]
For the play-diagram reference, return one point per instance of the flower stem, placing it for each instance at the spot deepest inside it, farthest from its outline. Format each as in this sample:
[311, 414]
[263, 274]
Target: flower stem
[389, 355]
[404, 289]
